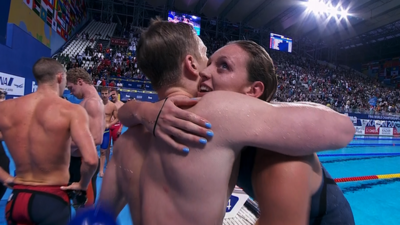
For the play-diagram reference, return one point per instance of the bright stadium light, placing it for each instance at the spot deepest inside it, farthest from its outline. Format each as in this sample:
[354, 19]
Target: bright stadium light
[320, 7]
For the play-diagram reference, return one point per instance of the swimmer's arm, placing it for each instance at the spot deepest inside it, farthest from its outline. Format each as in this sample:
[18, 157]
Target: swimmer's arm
[114, 114]
[111, 197]
[80, 133]
[283, 191]
[5, 177]
[96, 120]
[291, 130]
[304, 103]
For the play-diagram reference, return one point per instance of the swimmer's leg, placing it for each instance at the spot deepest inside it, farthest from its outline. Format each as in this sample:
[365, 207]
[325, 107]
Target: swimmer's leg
[108, 153]
[103, 150]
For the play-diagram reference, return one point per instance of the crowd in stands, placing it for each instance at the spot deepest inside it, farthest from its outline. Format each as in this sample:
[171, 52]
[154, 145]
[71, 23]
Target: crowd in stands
[299, 78]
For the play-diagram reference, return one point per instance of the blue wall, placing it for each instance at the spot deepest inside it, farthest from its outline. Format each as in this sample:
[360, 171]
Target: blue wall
[19, 54]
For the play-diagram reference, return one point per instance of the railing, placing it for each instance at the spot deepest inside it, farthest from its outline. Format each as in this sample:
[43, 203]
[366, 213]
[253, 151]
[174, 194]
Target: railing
[364, 111]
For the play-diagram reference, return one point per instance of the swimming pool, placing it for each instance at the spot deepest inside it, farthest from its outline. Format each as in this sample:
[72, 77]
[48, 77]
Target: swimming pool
[372, 201]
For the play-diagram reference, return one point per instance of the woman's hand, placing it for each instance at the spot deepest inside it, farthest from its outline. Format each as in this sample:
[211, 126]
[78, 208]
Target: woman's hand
[178, 128]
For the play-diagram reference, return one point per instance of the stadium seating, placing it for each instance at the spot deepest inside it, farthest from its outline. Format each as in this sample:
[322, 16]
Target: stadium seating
[80, 43]
[299, 78]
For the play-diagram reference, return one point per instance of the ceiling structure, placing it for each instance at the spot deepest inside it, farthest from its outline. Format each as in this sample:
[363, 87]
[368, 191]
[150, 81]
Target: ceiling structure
[288, 16]
[369, 21]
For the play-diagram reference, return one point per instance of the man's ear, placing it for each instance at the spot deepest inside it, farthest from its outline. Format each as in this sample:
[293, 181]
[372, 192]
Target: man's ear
[256, 89]
[191, 67]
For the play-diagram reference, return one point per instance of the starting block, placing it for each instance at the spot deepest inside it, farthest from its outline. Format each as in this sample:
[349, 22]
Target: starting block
[236, 202]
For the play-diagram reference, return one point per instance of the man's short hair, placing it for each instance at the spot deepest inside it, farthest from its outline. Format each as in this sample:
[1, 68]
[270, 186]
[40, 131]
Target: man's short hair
[104, 89]
[115, 89]
[46, 69]
[78, 73]
[162, 49]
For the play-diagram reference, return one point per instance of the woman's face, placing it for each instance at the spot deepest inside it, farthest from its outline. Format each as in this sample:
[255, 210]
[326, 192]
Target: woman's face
[226, 70]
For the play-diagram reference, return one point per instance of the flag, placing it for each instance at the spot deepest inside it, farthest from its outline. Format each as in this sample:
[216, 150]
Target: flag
[43, 14]
[48, 7]
[372, 101]
[36, 6]
[59, 29]
[49, 18]
[29, 3]
[378, 123]
[397, 125]
[55, 10]
[62, 7]
[67, 19]
[364, 123]
[60, 20]
[54, 25]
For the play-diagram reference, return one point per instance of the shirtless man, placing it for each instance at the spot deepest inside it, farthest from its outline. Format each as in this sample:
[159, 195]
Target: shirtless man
[37, 129]
[110, 110]
[117, 128]
[4, 160]
[79, 83]
[177, 186]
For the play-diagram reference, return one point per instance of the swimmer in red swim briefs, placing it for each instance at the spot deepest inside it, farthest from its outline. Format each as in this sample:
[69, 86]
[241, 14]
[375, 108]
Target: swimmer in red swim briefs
[38, 129]
[117, 128]
[110, 111]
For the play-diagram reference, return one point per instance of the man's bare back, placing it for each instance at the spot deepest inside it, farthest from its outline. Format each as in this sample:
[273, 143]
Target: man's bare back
[172, 185]
[36, 129]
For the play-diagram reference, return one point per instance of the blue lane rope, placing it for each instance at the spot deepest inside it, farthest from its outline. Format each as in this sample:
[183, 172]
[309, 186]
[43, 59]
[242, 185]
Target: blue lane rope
[361, 154]
[376, 139]
[374, 144]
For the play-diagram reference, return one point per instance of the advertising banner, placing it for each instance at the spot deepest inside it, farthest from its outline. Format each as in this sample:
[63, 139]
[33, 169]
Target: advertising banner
[138, 96]
[372, 130]
[120, 41]
[14, 85]
[360, 130]
[386, 131]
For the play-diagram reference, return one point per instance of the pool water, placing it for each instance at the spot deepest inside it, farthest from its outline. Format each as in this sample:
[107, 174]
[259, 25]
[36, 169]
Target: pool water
[373, 202]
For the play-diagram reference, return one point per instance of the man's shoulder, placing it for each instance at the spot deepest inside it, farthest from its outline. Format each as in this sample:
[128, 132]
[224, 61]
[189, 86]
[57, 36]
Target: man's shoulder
[92, 103]
[216, 100]
[119, 104]
[110, 103]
